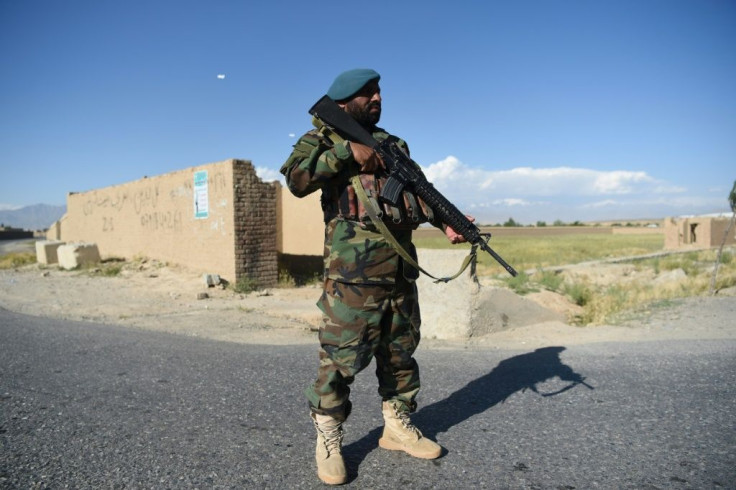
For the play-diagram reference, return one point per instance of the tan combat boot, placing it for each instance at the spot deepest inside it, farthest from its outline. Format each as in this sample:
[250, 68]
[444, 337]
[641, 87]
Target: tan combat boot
[399, 434]
[330, 465]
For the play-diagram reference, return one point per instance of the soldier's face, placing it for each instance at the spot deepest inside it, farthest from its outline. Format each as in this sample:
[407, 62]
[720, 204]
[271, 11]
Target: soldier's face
[365, 106]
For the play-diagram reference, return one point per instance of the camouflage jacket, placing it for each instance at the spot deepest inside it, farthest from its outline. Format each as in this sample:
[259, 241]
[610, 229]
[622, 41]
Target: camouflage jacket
[355, 252]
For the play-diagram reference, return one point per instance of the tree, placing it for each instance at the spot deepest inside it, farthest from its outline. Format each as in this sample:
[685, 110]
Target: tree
[541, 223]
[732, 204]
[511, 222]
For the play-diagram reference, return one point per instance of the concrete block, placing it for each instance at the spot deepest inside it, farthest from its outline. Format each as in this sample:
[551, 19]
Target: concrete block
[211, 280]
[461, 309]
[447, 308]
[46, 251]
[73, 255]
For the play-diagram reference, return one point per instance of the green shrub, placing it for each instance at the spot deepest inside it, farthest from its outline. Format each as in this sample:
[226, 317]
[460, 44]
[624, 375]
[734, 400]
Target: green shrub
[245, 285]
[112, 270]
[579, 293]
[550, 280]
[286, 280]
[521, 284]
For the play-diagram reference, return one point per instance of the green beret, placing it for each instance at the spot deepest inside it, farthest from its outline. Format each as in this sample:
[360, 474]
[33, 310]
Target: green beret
[350, 82]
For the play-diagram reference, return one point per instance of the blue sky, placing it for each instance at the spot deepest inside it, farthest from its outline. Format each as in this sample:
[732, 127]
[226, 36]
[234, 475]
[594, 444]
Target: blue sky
[536, 110]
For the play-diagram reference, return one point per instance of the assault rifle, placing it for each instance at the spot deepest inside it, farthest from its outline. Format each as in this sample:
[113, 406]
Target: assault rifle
[403, 173]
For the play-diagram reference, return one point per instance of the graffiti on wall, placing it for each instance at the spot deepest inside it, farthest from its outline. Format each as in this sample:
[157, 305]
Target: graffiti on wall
[168, 221]
[144, 202]
[145, 198]
[108, 207]
[114, 202]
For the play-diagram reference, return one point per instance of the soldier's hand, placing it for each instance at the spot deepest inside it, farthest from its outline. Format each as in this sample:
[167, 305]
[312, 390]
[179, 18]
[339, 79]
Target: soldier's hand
[454, 236]
[366, 157]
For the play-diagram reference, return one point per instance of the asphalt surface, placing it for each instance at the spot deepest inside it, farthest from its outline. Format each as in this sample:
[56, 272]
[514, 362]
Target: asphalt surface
[92, 406]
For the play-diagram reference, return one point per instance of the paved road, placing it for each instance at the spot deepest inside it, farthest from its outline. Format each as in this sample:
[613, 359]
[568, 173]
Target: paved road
[90, 406]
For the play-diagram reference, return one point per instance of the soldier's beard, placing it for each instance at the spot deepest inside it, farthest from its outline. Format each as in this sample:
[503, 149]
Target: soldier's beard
[364, 115]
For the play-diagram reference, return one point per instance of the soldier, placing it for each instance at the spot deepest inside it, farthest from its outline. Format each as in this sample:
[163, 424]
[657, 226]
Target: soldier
[369, 301]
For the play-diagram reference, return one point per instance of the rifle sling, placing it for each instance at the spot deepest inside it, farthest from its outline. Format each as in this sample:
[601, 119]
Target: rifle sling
[378, 222]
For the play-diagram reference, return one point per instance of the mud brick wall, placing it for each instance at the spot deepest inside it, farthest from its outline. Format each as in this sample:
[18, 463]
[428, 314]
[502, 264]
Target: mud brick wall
[255, 226]
[157, 217]
[697, 232]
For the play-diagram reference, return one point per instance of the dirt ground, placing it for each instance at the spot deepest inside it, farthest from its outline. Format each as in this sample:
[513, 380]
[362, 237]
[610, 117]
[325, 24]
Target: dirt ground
[153, 296]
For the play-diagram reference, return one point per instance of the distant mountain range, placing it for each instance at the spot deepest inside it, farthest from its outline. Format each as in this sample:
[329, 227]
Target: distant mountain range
[34, 217]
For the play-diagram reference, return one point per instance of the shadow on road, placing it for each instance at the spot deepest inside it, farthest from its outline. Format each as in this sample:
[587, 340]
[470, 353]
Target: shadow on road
[518, 373]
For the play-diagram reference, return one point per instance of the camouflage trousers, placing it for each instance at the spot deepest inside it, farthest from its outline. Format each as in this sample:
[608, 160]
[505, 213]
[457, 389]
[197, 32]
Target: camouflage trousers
[359, 323]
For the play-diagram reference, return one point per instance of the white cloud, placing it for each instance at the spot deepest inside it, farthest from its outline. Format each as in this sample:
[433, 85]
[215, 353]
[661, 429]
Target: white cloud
[566, 193]
[618, 181]
[9, 207]
[221, 76]
[606, 203]
[453, 175]
[506, 203]
[268, 175]
[444, 169]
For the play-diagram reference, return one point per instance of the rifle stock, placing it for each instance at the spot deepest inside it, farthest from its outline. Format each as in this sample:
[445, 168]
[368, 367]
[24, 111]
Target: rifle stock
[402, 173]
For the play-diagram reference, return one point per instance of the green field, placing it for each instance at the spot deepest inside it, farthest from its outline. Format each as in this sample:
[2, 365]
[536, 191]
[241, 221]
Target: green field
[527, 252]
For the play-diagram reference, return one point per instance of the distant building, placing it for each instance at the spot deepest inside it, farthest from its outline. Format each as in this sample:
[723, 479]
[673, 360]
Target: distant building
[697, 232]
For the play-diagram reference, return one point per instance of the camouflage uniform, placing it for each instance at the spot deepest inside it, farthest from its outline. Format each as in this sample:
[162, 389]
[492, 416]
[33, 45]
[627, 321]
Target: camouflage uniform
[369, 302]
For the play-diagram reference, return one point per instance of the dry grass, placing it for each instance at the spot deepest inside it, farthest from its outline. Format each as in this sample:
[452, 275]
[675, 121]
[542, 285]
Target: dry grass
[677, 276]
[611, 303]
[602, 303]
[18, 259]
